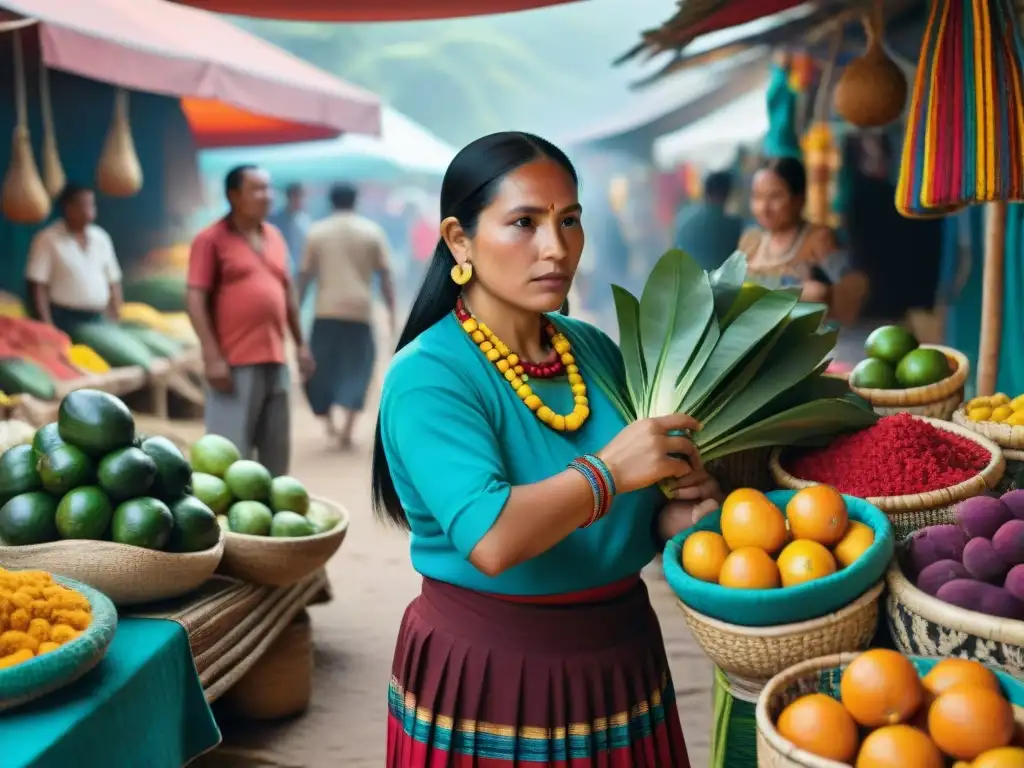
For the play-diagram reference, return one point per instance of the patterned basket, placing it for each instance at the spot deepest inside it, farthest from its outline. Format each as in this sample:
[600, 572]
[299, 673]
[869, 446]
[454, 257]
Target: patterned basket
[926, 626]
[919, 510]
[822, 675]
[937, 401]
[32, 679]
[750, 656]
[746, 469]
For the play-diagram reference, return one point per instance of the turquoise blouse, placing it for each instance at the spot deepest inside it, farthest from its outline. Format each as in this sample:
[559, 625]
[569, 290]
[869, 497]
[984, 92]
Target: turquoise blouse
[457, 439]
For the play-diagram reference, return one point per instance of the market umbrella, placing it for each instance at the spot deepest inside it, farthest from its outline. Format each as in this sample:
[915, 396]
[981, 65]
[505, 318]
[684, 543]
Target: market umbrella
[964, 141]
[358, 10]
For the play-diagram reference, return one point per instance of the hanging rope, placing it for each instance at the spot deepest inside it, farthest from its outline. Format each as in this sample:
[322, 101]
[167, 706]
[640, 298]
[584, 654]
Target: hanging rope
[20, 90]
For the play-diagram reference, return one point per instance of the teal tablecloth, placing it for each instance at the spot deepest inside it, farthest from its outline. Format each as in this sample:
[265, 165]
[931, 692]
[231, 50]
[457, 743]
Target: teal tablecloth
[141, 707]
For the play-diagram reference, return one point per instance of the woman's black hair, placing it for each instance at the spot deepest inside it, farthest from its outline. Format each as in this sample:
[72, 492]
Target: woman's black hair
[791, 171]
[469, 186]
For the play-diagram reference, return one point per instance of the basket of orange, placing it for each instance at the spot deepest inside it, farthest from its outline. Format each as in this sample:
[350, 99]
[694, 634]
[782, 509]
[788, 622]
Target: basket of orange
[880, 708]
[762, 589]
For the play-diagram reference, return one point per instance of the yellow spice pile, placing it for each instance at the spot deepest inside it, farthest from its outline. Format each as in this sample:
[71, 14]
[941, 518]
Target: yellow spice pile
[37, 615]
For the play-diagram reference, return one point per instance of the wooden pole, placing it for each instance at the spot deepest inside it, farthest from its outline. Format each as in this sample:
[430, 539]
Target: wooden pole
[992, 298]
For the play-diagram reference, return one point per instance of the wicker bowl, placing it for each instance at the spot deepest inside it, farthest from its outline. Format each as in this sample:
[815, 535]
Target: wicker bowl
[281, 562]
[127, 575]
[919, 510]
[937, 400]
[755, 654]
[1004, 435]
[45, 674]
[926, 626]
[822, 675]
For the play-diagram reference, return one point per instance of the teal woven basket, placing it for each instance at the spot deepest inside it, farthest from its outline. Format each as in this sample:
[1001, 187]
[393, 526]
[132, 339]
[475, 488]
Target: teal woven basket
[823, 676]
[787, 605]
[44, 674]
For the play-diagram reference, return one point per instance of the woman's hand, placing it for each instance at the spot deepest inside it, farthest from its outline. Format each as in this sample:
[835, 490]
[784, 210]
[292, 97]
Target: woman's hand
[677, 516]
[698, 485]
[641, 454]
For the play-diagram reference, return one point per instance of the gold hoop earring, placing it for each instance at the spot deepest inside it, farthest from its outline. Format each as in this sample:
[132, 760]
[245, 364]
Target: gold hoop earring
[462, 274]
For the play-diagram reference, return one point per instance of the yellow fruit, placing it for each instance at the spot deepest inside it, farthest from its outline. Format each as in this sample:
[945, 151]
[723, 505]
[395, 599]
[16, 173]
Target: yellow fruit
[980, 413]
[1017, 403]
[999, 398]
[1004, 757]
[703, 555]
[1017, 419]
[1001, 413]
[978, 402]
[803, 560]
[749, 519]
[858, 539]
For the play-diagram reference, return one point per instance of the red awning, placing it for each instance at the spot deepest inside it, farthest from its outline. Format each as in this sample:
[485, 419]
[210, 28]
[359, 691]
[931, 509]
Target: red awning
[216, 124]
[161, 47]
[365, 10]
[741, 12]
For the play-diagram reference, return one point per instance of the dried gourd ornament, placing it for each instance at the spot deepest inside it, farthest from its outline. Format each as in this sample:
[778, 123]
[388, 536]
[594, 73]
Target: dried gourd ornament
[24, 198]
[872, 90]
[53, 171]
[119, 173]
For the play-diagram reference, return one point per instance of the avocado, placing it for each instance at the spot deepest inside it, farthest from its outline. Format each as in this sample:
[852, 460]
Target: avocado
[95, 421]
[126, 473]
[18, 472]
[212, 491]
[213, 454]
[65, 467]
[173, 472]
[291, 525]
[29, 519]
[288, 495]
[84, 513]
[195, 526]
[248, 480]
[250, 517]
[144, 522]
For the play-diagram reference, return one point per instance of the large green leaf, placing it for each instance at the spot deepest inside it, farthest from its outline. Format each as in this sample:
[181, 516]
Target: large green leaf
[737, 341]
[603, 367]
[627, 310]
[727, 282]
[796, 425]
[689, 375]
[675, 309]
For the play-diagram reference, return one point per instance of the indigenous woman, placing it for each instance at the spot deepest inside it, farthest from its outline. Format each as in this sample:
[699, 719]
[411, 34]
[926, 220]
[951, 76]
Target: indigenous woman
[532, 505]
[786, 250]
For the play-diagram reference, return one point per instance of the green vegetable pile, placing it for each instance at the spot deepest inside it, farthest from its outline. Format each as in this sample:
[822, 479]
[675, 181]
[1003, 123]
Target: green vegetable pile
[745, 361]
[89, 475]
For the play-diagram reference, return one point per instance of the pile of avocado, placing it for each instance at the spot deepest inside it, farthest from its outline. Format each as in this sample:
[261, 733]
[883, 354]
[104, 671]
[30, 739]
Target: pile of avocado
[89, 475]
[246, 499]
[895, 360]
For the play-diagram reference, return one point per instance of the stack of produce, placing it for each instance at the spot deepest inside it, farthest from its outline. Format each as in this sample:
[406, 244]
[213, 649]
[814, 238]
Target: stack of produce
[174, 326]
[895, 360]
[89, 475]
[887, 716]
[760, 548]
[10, 305]
[39, 615]
[164, 292]
[248, 500]
[747, 362]
[998, 408]
[978, 562]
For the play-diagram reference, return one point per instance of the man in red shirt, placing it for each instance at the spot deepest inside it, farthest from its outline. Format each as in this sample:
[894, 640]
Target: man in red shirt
[240, 300]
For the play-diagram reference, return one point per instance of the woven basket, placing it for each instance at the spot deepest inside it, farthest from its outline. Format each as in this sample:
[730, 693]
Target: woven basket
[919, 510]
[281, 562]
[280, 684]
[755, 654]
[822, 675]
[1003, 435]
[745, 469]
[937, 400]
[926, 626]
[52, 671]
[127, 575]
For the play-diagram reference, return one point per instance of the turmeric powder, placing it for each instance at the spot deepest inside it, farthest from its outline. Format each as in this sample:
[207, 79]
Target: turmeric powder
[37, 615]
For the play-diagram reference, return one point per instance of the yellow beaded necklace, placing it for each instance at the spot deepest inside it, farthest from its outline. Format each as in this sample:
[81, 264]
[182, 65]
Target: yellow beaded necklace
[509, 365]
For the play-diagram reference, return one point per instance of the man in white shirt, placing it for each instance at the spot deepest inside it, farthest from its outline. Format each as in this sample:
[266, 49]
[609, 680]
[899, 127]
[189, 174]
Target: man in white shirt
[72, 270]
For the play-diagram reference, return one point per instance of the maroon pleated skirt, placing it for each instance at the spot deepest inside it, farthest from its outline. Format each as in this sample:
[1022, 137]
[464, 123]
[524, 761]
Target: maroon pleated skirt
[490, 682]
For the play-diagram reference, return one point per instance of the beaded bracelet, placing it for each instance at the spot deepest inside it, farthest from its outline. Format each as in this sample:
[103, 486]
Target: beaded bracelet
[601, 483]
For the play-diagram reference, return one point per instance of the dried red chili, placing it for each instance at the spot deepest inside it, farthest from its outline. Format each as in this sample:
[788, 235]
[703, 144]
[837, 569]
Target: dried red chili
[896, 456]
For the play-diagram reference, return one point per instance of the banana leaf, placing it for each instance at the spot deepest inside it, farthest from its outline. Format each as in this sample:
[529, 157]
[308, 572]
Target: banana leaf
[627, 308]
[727, 282]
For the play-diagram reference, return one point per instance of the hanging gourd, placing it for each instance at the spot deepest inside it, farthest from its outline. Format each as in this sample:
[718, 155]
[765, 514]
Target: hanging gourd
[119, 173]
[872, 90]
[24, 197]
[53, 172]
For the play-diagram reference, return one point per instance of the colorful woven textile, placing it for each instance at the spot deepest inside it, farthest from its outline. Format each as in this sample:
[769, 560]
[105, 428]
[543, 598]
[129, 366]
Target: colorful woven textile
[964, 140]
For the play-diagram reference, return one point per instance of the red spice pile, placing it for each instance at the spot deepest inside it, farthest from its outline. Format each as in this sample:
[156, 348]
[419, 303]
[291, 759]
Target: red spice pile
[899, 455]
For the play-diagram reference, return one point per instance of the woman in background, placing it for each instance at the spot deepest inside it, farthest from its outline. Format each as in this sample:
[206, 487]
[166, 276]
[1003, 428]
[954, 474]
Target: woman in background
[532, 504]
[786, 250]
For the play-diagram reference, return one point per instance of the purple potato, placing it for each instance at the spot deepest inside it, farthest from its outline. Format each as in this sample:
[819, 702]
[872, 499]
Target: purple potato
[937, 542]
[981, 597]
[982, 562]
[938, 573]
[982, 516]
[1014, 501]
[1014, 583]
[1009, 542]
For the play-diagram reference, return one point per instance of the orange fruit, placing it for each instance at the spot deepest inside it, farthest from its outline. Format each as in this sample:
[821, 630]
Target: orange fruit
[749, 568]
[1004, 757]
[881, 687]
[950, 672]
[899, 746]
[967, 720]
[749, 519]
[804, 560]
[819, 514]
[820, 725]
[855, 542]
[703, 555]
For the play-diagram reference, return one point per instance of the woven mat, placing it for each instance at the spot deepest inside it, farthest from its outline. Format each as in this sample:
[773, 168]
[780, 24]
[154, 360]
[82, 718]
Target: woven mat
[230, 623]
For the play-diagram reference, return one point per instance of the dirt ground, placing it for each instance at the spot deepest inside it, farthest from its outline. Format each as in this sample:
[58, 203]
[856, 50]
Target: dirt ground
[354, 635]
